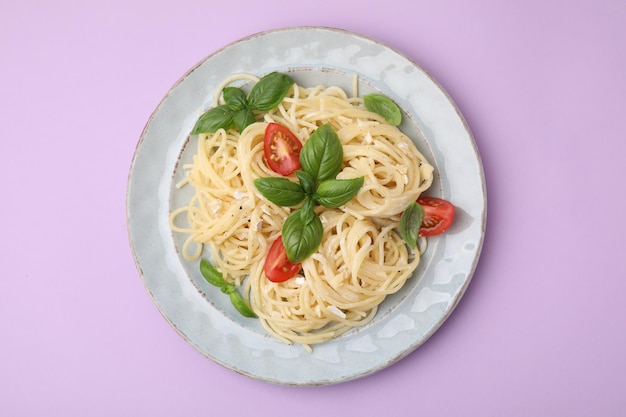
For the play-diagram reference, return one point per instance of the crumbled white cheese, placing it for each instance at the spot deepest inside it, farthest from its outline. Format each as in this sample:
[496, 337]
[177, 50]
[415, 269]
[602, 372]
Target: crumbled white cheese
[258, 225]
[368, 138]
[403, 146]
[299, 280]
[239, 195]
[334, 310]
[215, 206]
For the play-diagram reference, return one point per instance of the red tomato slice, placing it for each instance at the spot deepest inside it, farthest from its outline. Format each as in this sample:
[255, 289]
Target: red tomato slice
[282, 149]
[438, 216]
[277, 266]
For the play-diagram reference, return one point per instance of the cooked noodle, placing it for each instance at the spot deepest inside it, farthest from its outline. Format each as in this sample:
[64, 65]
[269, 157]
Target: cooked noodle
[361, 259]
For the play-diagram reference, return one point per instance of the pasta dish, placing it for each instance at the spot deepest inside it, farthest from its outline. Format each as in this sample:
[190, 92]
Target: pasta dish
[361, 258]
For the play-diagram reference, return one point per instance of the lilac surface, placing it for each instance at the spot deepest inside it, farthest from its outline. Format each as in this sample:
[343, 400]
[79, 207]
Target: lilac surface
[541, 329]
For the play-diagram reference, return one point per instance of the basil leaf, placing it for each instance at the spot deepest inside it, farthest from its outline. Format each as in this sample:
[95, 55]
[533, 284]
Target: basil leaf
[383, 106]
[240, 304]
[306, 181]
[410, 223]
[235, 98]
[280, 191]
[269, 91]
[228, 289]
[243, 118]
[301, 239]
[322, 155]
[220, 117]
[211, 274]
[214, 277]
[336, 193]
[306, 211]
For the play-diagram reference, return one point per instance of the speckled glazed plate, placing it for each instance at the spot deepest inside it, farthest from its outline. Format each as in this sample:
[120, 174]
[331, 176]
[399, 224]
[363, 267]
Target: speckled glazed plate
[405, 320]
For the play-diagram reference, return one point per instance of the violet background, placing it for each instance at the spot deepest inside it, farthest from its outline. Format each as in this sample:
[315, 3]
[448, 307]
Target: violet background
[541, 329]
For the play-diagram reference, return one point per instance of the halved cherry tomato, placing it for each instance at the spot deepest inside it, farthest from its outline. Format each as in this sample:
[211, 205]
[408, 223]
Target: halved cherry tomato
[277, 266]
[438, 216]
[282, 149]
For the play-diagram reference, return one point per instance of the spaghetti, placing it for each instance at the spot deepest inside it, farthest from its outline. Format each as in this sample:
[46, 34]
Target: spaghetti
[361, 259]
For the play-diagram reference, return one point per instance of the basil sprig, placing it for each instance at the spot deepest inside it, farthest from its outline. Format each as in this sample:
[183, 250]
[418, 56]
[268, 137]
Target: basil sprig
[214, 277]
[383, 106]
[410, 223]
[321, 159]
[238, 110]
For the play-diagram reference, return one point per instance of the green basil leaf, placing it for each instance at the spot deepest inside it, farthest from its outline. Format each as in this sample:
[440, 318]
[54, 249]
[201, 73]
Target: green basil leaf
[214, 277]
[269, 91]
[228, 288]
[322, 155]
[220, 117]
[383, 106]
[336, 193]
[301, 239]
[240, 304]
[410, 223]
[243, 118]
[307, 212]
[306, 181]
[235, 98]
[211, 274]
[280, 191]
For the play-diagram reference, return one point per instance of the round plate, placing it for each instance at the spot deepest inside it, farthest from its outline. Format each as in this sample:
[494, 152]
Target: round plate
[201, 314]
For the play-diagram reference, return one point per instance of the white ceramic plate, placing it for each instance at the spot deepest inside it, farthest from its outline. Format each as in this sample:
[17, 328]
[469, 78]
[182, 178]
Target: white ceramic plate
[201, 314]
